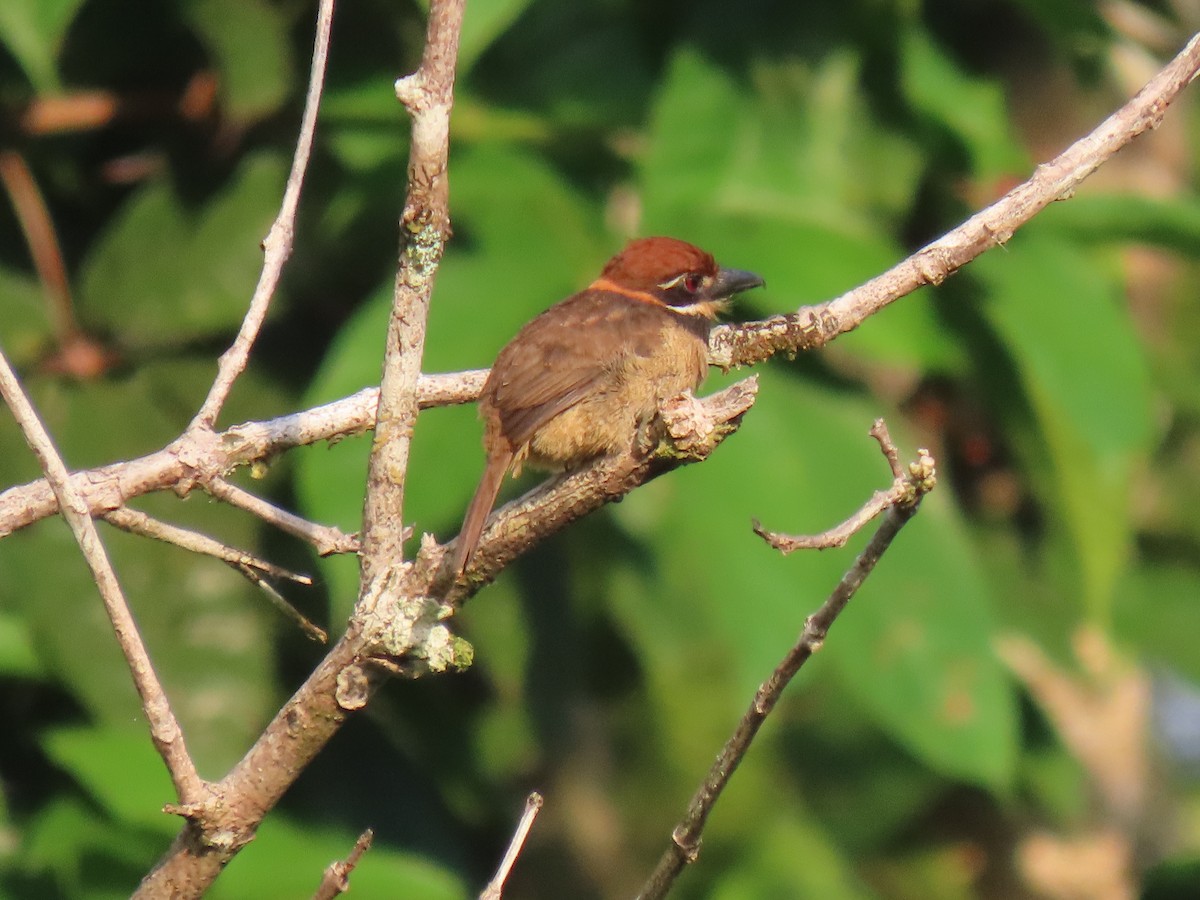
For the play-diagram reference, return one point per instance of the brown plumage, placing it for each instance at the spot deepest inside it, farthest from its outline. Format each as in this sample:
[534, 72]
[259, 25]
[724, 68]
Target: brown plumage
[578, 380]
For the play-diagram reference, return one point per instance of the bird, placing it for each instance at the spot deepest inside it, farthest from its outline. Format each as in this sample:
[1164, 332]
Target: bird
[580, 379]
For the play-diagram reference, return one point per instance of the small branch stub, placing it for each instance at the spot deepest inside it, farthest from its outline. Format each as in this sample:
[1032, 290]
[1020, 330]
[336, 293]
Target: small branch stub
[336, 879]
[495, 888]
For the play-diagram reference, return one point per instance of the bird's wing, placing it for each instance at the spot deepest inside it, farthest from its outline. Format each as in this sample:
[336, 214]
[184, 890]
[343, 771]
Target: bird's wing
[565, 354]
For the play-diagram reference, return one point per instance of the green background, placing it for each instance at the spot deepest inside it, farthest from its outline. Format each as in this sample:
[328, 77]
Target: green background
[1055, 380]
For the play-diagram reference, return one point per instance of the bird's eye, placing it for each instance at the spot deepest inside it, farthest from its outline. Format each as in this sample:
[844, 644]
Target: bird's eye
[691, 283]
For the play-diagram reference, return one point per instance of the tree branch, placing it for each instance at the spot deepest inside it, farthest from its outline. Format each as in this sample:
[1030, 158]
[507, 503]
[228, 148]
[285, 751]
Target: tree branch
[137, 522]
[325, 539]
[277, 246]
[164, 729]
[685, 839]
[428, 94]
[392, 619]
[901, 491]
[201, 457]
[814, 326]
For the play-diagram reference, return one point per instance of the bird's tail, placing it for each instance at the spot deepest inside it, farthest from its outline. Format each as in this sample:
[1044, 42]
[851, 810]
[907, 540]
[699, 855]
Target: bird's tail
[481, 505]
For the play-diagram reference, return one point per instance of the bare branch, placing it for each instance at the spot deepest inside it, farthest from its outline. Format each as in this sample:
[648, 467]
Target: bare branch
[196, 458]
[277, 246]
[685, 839]
[325, 538]
[495, 888]
[137, 522]
[164, 729]
[814, 326]
[428, 95]
[247, 565]
[311, 630]
[901, 491]
[879, 431]
[337, 875]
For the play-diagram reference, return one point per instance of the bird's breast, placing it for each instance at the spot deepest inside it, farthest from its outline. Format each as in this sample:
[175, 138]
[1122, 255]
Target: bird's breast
[643, 368]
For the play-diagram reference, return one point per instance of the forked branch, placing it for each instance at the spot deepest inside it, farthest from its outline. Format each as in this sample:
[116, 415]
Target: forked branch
[685, 838]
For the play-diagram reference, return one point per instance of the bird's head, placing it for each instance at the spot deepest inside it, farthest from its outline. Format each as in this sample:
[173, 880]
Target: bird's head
[676, 274]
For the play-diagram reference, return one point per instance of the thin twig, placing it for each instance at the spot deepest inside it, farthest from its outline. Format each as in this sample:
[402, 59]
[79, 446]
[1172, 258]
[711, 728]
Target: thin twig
[900, 491]
[879, 431]
[250, 567]
[326, 539]
[495, 888]
[311, 630]
[137, 522]
[839, 534]
[164, 729]
[336, 879]
[815, 326]
[685, 838]
[277, 246]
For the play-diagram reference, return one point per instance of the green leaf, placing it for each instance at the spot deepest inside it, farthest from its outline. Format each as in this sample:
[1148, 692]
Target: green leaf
[120, 769]
[17, 655]
[973, 109]
[1063, 323]
[913, 648]
[163, 274]
[33, 31]
[247, 40]
[487, 20]
[1172, 223]
[287, 858]
[792, 856]
[25, 325]
[800, 147]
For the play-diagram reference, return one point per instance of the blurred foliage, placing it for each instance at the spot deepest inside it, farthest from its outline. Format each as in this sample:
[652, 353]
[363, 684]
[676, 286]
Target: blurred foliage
[816, 143]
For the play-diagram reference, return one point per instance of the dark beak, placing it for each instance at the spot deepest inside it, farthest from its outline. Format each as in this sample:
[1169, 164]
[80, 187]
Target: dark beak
[733, 281]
